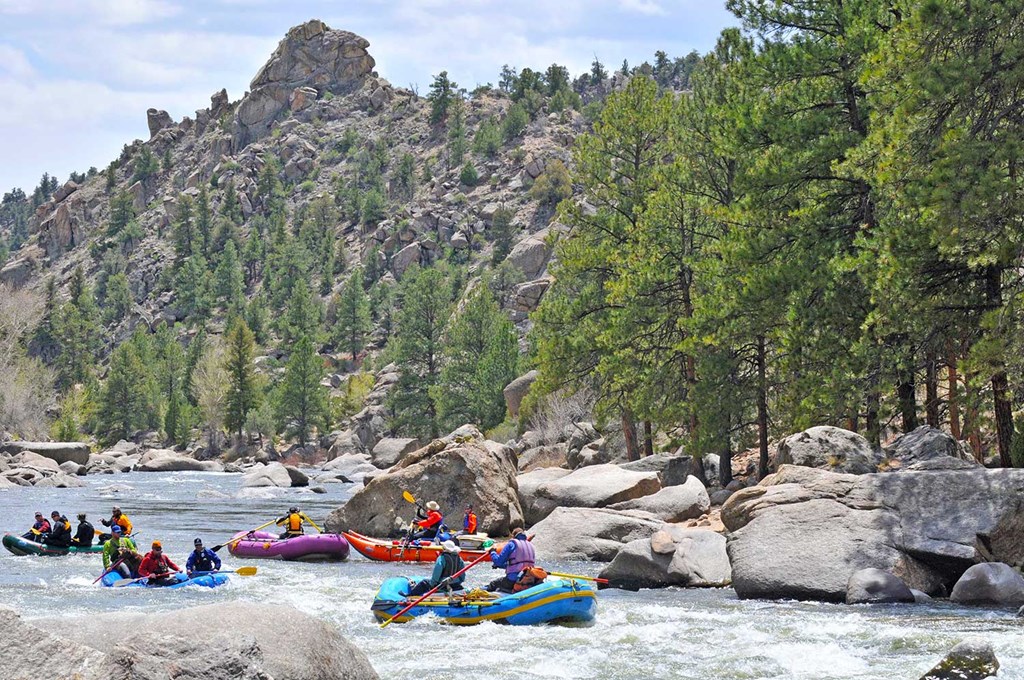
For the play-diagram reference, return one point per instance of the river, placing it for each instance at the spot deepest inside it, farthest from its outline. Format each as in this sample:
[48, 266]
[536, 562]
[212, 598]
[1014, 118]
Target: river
[670, 633]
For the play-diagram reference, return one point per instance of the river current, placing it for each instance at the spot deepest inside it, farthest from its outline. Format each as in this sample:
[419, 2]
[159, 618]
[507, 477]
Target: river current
[671, 633]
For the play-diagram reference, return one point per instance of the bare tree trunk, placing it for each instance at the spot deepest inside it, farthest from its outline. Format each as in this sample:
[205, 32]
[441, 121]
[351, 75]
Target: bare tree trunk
[648, 439]
[931, 389]
[954, 401]
[1004, 417]
[725, 457]
[873, 427]
[629, 434]
[971, 419]
[905, 391]
[762, 408]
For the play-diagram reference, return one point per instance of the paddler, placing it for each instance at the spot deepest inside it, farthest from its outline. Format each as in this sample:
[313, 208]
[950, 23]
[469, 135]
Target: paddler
[84, 533]
[447, 563]
[119, 518]
[201, 559]
[515, 557]
[292, 523]
[469, 521]
[40, 528]
[430, 523]
[60, 531]
[158, 566]
[120, 548]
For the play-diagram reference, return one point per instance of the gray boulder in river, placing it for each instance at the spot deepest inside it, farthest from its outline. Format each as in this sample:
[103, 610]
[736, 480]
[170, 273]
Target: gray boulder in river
[672, 556]
[991, 583]
[802, 532]
[673, 503]
[874, 586]
[225, 640]
[972, 659]
[458, 469]
[590, 533]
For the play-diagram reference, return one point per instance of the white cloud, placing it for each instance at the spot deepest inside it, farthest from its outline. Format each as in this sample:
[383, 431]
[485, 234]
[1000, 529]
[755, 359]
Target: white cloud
[648, 7]
[14, 62]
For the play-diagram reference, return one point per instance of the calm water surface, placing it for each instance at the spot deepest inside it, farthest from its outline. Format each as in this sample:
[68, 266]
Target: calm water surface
[654, 633]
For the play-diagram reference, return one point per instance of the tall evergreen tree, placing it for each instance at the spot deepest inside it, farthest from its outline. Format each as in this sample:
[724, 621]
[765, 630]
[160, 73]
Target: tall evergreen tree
[241, 396]
[302, 403]
[353, 312]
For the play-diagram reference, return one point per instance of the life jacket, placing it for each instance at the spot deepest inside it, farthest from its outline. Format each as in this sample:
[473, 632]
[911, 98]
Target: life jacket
[294, 523]
[203, 561]
[123, 522]
[530, 577]
[522, 557]
[450, 566]
[433, 521]
[469, 523]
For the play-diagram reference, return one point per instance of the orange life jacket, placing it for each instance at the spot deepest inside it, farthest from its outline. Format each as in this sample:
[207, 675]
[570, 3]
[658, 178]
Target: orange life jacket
[294, 523]
[530, 578]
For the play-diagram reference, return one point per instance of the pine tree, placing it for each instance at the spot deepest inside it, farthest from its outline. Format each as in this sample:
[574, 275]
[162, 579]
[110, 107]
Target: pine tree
[303, 316]
[187, 240]
[241, 395]
[146, 165]
[230, 281]
[456, 133]
[231, 209]
[204, 220]
[118, 301]
[302, 403]
[442, 94]
[502, 231]
[353, 311]
[193, 287]
[122, 402]
[418, 344]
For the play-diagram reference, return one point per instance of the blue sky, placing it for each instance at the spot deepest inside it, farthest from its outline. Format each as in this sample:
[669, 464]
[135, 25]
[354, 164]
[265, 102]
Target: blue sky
[76, 76]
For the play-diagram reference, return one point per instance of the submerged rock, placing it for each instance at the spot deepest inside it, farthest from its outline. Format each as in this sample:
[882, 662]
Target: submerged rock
[972, 659]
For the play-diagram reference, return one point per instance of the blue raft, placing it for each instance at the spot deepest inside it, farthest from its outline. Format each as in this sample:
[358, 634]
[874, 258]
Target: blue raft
[554, 601]
[182, 581]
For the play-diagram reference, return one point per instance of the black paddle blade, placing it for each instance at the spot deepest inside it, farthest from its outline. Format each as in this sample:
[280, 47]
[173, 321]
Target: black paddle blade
[218, 547]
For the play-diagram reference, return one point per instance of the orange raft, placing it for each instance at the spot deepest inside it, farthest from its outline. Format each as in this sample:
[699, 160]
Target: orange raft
[396, 551]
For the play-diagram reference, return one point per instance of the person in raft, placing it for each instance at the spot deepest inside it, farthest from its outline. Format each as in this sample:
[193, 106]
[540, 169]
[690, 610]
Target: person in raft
[446, 565]
[40, 528]
[84, 533]
[157, 566]
[430, 523]
[60, 531]
[469, 521]
[119, 518]
[201, 559]
[292, 523]
[515, 557]
[120, 548]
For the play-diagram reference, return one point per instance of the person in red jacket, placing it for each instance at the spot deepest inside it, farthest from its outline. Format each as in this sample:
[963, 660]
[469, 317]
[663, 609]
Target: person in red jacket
[430, 524]
[157, 566]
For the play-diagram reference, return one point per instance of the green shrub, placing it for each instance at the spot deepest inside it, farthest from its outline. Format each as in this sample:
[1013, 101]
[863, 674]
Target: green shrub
[469, 175]
[553, 185]
[487, 140]
[515, 122]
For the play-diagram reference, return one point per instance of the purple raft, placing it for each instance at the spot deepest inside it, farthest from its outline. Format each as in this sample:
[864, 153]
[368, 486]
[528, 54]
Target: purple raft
[306, 548]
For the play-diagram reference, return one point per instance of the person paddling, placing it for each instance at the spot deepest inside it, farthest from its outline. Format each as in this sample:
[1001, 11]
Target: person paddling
[430, 524]
[84, 534]
[292, 523]
[469, 521]
[446, 564]
[201, 559]
[120, 548]
[120, 519]
[158, 566]
[40, 528]
[60, 531]
[515, 557]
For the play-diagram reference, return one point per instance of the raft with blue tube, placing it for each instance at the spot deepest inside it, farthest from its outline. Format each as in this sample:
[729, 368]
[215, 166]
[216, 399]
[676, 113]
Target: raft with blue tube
[178, 580]
[556, 600]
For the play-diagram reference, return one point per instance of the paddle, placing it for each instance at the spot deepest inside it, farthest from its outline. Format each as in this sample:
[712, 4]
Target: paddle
[127, 581]
[262, 526]
[109, 569]
[241, 571]
[435, 588]
[578, 576]
[303, 516]
[602, 583]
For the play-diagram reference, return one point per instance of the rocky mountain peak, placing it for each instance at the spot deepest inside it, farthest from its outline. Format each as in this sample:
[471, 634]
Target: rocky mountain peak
[311, 59]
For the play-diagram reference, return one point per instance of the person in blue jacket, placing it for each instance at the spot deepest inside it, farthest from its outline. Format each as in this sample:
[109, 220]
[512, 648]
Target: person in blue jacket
[447, 564]
[201, 559]
[516, 556]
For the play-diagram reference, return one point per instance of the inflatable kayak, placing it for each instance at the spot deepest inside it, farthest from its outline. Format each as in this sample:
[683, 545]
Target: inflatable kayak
[181, 581]
[22, 546]
[554, 601]
[382, 550]
[308, 547]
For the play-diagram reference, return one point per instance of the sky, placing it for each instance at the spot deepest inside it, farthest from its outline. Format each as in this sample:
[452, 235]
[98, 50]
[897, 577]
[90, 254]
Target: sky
[76, 76]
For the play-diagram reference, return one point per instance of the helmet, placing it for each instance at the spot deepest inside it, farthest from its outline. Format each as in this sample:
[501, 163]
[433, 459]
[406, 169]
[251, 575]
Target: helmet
[81, 516]
[293, 509]
[116, 529]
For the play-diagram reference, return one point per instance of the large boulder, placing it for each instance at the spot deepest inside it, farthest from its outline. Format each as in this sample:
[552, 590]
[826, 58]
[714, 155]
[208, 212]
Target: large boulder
[458, 469]
[548, 456]
[158, 120]
[59, 452]
[590, 534]
[673, 503]
[673, 468]
[672, 556]
[272, 474]
[599, 486]
[297, 476]
[228, 639]
[922, 448]
[350, 468]
[829, 448]
[178, 463]
[530, 255]
[875, 586]
[310, 55]
[990, 583]
[971, 659]
[534, 507]
[516, 390]
[390, 450]
[802, 532]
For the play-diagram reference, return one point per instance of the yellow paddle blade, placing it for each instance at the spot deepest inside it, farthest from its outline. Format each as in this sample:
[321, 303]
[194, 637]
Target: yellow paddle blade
[246, 571]
[409, 497]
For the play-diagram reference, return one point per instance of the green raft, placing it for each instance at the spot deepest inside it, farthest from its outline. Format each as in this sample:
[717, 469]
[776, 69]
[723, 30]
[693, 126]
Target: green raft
[21, 546]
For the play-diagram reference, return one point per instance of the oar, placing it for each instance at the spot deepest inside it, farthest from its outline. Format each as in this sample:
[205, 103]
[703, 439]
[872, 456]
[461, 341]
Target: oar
[303, 516]
[262, 526]
[578, 576]
[602, 583]
[109, 569]
[434, 589]
[241, 571]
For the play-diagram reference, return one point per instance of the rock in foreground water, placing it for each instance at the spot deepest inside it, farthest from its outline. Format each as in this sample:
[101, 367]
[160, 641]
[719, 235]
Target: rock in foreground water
[228, 640]
[972, 659]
